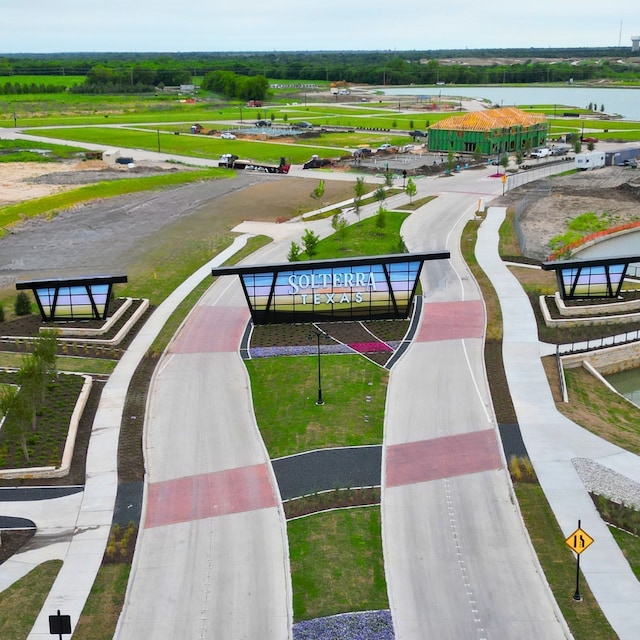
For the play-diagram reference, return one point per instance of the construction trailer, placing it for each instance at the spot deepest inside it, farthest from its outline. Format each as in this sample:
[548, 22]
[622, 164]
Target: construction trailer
[590, 160]
[619, 157]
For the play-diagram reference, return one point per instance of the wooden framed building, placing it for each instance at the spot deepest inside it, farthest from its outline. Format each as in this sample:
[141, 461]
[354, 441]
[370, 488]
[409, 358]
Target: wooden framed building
[492, 131]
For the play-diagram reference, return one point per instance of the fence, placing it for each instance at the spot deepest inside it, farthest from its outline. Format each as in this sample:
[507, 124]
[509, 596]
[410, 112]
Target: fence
[599, 343]
[523, 177]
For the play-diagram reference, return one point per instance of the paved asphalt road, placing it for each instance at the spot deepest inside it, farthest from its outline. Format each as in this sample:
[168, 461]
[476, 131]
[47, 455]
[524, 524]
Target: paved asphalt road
[213, 545]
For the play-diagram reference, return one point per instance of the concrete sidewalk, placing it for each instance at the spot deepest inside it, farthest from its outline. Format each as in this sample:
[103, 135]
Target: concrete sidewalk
[554, 443]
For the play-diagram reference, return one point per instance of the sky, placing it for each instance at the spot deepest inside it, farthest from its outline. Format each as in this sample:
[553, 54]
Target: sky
[61, 26]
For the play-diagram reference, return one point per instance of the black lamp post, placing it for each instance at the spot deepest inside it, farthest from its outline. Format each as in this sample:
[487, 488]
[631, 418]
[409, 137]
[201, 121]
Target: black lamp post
[319, 333]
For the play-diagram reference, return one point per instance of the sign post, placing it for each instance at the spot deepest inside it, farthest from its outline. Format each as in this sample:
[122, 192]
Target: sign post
[59, 624]
[578, 541]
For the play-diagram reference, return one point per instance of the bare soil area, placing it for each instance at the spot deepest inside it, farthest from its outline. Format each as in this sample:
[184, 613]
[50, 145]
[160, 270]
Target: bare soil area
[549, 205]
[103, 236]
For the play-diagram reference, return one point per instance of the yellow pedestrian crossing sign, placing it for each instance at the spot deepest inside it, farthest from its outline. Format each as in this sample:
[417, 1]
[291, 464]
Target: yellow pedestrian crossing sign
[579, 540]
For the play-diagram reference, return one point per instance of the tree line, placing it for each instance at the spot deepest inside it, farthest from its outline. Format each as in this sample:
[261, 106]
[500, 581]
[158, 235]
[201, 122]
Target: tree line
[134, 72]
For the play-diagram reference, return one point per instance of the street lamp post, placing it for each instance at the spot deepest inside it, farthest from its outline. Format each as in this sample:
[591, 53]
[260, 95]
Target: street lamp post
[319, 333]
[158, 132]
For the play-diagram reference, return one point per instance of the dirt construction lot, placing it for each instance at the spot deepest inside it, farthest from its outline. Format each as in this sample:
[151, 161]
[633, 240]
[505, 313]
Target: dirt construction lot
[105, 236]
[552, 203]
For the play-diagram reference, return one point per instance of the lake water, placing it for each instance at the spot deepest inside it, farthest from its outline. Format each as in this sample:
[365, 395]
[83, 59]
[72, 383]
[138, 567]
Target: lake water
[627, 383]
[625, 102]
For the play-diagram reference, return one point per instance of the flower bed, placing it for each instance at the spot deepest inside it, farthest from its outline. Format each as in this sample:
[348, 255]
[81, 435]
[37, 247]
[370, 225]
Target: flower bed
[365, 625]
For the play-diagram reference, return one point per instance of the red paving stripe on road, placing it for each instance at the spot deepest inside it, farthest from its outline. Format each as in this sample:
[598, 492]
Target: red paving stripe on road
[209, 495]
[212, 330]
[451, 321]
[442, 458]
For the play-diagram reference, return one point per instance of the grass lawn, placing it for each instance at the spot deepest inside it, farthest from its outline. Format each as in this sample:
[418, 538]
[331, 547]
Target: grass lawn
[25, 151]
[197, 146]
[284, 393]
[584, 618]
[102, 609]
[350, 576]
[20, 604]
[630, 546]
[366, 238]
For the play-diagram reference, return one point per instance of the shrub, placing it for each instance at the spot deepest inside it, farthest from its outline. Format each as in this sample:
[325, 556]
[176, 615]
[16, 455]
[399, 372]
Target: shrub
[1, 313]
[521, 469]
[23, 304]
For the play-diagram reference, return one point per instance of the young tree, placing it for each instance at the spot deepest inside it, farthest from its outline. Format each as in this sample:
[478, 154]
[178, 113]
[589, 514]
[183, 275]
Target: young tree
[318, 192]
[591, 146]
[310, 242]
[380, 194]
[381, 218]
[519, 158]
[45, 348]
[340, 224]
[32, 385]
[358, 190]
[411, 189]
[294, 252]
[477, 154]
[16, 413]
[504, 161]
[450, 160]
[1, 313]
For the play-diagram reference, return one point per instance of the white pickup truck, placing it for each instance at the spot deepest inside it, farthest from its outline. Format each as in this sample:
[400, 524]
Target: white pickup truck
[543, 152]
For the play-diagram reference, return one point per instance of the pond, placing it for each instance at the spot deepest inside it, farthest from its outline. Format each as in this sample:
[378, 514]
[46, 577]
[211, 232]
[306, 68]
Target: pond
[624, 102]
[627, 383]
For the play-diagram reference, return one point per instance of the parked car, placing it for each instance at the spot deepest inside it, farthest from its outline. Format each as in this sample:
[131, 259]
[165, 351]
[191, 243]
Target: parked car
[228, 136]
[590, 139]
[263, 123]
[543, 152]
[303, 125]
[417, 134]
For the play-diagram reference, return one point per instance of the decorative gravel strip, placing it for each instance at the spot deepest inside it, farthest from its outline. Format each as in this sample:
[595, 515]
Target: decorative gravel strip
[303, 350]
[602, 481]
[366, 625]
